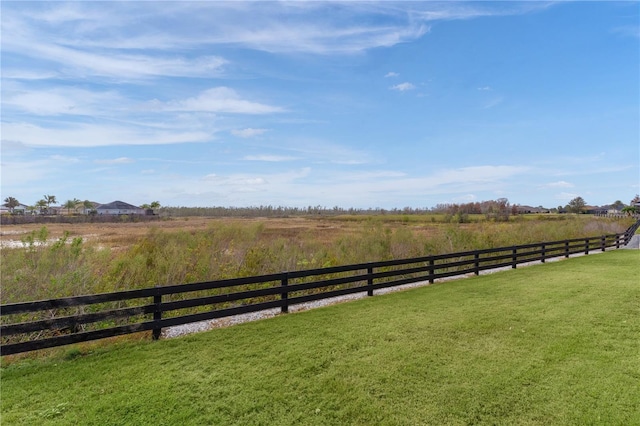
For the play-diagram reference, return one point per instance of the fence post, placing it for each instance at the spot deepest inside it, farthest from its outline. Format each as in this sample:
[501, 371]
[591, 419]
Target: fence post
[476, 264]
[157, 314]
[617, 241]
[284, 296]
[544, 252]
[431, 270]
[514, 258]
[586, 245]
[603, 243]
[566, 249]
[370, 281]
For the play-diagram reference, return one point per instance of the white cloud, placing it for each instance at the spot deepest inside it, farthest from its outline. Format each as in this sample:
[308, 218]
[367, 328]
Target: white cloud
[391, 74]
[248, 132]
[24, 74]
[269, 158]
[87, 135]
[484, 88]
[217, 99]
[560, 184]
[402, 87]
[77, 61]
[121, 160]
[58, 101]
[63, 159]
[94, 37]
[322, 151]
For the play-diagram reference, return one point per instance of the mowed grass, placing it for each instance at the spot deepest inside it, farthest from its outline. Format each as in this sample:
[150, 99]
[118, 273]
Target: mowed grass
[547, 344]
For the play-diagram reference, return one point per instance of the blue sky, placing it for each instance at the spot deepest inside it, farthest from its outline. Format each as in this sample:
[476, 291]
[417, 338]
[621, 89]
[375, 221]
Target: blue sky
[350, 104]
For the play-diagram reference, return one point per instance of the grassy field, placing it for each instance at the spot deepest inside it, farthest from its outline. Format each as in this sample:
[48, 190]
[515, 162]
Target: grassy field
[547, 344]
[95, 258]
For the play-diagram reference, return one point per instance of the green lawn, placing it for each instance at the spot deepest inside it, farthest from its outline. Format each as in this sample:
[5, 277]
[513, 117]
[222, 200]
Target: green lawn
[548, 344]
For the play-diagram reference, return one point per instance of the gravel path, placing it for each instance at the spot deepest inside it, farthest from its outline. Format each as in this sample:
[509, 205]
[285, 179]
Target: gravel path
[197, 327]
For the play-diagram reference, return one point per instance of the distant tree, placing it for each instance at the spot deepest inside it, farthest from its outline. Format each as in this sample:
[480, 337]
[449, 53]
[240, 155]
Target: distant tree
[50, 199]
[71, 204]
[618, 205]
[41, 205]
[11, 203]
[498, 210]
[79, 204]
[630, 210]
[576, 205]
[155, 205]
[87, 205]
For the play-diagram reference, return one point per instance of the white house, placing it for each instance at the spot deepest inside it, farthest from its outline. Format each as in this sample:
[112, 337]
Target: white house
[119, 207]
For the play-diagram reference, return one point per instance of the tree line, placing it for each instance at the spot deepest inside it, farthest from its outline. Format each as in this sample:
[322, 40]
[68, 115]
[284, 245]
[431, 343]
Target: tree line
[499, 209]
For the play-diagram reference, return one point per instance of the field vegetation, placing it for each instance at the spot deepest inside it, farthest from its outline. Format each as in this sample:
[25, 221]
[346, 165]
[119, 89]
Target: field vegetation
[75, 259]
[548, 344]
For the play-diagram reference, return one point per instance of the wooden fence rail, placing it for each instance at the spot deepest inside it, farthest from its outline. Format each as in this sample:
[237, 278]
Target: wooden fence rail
[43, 324]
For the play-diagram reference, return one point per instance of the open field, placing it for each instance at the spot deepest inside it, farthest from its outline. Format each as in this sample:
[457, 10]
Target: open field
[548, 344]
[61, 260]
[323, 229]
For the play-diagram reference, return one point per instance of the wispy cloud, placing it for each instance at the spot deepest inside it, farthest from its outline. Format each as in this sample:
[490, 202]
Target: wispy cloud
[269, 158]
[217, 99]
[87, 135]
[62, 101]
[560, 184]
[391, 74]
[484, 88]
[78, 38]
[403, 87]
[248, 132]
[121, 160]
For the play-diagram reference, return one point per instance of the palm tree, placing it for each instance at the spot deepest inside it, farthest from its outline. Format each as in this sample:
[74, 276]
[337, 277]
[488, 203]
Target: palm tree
[88, 206]
[155, 205]
[50, 199]
[78, 203]
[11, 203]
[41, 205]
[630, 210]
[71, 204]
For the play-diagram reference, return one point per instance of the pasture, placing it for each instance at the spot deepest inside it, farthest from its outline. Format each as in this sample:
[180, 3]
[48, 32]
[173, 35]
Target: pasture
[553, 343]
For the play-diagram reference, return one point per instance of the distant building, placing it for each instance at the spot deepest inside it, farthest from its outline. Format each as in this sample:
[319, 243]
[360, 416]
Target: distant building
[530, 209]
[19, 209]
[119, 208]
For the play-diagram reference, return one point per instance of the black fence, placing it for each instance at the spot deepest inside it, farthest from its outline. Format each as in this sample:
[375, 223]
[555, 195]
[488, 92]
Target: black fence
[43, 324]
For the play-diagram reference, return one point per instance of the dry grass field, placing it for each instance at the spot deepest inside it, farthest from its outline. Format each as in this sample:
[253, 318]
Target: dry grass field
[59, 259]
[120, 235]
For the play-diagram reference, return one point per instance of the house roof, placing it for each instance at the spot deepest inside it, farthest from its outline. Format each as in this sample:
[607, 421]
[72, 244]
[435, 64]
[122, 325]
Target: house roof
[117, 205]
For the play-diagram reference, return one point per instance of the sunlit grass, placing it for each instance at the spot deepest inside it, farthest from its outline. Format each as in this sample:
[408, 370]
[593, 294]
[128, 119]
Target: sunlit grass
[548, 344]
